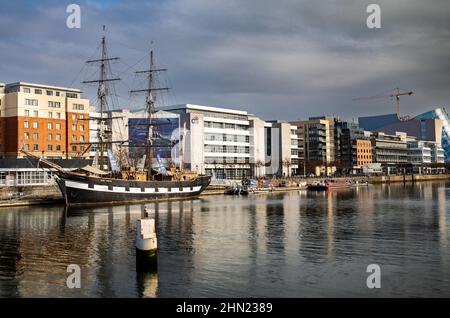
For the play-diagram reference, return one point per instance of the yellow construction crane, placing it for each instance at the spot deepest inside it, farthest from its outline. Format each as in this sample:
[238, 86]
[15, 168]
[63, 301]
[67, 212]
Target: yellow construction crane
[395, 94]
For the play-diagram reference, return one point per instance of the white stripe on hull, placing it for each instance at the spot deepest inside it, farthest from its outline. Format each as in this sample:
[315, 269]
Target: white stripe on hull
[104, 188]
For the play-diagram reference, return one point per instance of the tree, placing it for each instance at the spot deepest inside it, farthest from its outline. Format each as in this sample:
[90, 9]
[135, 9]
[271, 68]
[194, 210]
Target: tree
[287, 163]
[258, 165]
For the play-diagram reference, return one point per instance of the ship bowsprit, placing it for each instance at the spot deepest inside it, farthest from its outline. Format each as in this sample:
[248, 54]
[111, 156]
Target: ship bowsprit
[85, 190]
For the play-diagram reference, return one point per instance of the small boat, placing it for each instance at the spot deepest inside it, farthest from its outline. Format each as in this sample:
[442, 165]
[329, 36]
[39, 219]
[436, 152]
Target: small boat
[236, 191]
[329, 184]
[361, 183]
[318, 186]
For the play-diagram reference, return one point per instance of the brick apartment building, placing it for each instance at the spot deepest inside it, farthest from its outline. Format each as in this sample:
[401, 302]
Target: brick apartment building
[45, 120]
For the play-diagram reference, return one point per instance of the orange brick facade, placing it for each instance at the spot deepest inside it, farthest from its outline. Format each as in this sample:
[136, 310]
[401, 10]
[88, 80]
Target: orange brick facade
[43, 120]
[48, 137]
[52, 138]
[363, 152]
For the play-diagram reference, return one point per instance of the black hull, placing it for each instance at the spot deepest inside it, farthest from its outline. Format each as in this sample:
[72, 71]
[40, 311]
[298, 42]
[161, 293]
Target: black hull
[81, 190]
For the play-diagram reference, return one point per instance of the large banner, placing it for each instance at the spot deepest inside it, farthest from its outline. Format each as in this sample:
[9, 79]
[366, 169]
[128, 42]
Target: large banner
[166, 139]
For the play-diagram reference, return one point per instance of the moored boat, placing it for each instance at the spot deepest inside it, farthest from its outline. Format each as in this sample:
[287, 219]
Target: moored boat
[110, 182]
[331, 184]
[236, 191]
[82, 190]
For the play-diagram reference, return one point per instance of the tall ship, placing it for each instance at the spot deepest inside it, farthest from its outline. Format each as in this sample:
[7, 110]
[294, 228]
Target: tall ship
[105, 182]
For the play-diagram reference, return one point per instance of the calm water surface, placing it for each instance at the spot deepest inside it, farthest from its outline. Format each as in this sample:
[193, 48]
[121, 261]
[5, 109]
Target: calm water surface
[294, 244]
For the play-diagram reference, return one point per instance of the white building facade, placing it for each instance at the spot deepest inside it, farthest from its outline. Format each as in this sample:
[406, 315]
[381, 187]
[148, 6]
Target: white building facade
[232, 144]
[425, 152]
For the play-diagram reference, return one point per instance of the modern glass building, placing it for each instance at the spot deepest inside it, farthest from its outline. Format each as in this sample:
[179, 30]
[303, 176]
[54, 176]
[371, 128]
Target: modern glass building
[433, 125]
[440, 113]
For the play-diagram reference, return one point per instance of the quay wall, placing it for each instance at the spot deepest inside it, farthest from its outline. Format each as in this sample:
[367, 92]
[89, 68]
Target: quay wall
[409, 178]
[30, 195]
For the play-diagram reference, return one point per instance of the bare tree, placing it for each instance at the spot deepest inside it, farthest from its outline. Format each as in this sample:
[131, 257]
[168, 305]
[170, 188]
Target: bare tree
[258, 165]
[287, 163]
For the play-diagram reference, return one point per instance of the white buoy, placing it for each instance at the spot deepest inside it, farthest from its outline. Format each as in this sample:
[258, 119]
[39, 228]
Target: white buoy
[146, 242]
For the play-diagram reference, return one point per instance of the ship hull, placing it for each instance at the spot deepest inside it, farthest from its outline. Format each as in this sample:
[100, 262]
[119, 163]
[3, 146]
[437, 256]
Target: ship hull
[81, 190]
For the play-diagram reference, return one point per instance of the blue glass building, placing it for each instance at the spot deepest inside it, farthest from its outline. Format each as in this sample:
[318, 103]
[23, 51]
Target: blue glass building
[421, 126]
[440, 113]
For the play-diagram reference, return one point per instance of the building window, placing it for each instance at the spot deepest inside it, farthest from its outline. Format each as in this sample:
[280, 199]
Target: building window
[36, 114]
[58, 115]
[49, 126]
[35, 124]
[49, 93]
[52, 104]
[81, 127]
[72, 95]
[269, 142]
[58, 147]
[82, 148]
[35, 136]
[26, 136]
[56, 93]
[74, 138]
[26, 124]
[50, 147]
[78, 107]
[74, 127]
[74, 117]
[31, 102]
[82, 138]
[38, 91]
[26, 90]
[81, 116]
[50, 115]
[58, 126]
[26, 147]
[58, 137]
[27, 113]
[50, 137]
[35, 147]
[74, 148]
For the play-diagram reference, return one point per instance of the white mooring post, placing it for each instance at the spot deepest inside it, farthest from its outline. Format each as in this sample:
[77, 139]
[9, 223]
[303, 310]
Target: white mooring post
[146, 243]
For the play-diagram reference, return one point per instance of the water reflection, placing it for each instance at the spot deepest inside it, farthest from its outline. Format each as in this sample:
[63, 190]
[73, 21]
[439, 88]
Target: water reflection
[282, 244]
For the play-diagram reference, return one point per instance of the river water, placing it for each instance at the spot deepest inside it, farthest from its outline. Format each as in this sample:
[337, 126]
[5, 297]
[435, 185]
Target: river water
[291, 244]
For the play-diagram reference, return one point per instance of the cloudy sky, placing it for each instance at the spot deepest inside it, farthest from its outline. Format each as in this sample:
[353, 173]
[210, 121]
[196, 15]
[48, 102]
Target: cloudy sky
[285, 59]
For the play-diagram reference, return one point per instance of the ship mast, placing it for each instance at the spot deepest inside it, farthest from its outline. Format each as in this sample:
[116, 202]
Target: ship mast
[150, 109]
[102, 132]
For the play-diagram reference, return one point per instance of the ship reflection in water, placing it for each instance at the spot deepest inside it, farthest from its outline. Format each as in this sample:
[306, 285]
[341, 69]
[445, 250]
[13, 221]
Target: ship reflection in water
[292, 244]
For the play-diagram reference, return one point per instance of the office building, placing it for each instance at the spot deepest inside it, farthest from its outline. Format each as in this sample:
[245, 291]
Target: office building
[216, 140]
[347, 150]
[433, 125]
[233, 144]
[422, 152]
[44, 120]
[281, 146]
[362, 152]
[316, 145]
[390, 150]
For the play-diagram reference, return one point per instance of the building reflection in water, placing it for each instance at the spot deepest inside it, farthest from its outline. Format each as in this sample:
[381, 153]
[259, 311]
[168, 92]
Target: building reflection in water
[279, 244]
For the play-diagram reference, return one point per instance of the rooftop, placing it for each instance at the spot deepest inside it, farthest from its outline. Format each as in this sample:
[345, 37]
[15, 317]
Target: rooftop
[59, 88]
[204, 108]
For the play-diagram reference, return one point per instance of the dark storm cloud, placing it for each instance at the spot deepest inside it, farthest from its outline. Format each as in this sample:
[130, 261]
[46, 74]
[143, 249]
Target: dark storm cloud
[278, 59]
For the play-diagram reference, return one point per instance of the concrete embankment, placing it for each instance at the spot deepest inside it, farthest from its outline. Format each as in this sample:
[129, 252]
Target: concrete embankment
[380, 179]
[409, 178]
[30, 195]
